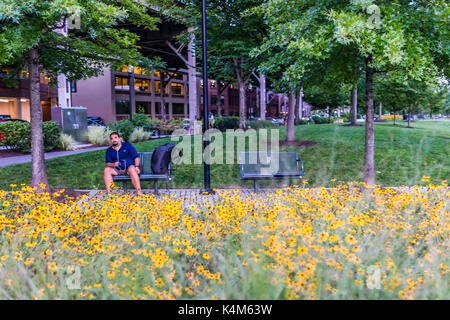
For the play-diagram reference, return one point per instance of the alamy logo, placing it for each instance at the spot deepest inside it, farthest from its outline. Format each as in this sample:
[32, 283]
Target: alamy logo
[74, 17]
[374, 21]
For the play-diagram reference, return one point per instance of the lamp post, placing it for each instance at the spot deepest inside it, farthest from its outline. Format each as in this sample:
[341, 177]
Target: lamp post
[130, 70]
[206, 169]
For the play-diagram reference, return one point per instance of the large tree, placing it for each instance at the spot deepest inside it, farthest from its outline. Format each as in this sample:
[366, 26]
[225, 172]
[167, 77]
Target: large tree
[233, 31]
[411, 36]
[29, 39]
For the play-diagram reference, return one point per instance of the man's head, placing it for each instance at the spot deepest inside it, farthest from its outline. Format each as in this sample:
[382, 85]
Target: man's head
[114, 137]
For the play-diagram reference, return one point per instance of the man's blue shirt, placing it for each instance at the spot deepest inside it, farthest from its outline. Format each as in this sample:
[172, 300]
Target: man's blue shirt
[127, 153]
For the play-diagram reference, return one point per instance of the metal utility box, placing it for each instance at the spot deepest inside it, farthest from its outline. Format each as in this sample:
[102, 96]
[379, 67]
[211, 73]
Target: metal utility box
[73, 121]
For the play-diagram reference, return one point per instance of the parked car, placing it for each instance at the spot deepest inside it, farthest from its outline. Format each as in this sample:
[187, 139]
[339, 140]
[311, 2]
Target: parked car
[4, 118]
[95, 121]
[277, 121]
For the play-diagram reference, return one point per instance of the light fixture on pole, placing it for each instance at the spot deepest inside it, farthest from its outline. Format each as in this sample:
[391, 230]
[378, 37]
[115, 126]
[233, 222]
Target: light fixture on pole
[206, 169]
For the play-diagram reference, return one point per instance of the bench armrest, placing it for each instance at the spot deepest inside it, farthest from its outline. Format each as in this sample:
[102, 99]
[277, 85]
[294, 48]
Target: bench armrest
[301, 162]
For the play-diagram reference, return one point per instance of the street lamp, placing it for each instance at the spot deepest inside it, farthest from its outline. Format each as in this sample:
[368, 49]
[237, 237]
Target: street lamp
[206, 169]
[130, 70]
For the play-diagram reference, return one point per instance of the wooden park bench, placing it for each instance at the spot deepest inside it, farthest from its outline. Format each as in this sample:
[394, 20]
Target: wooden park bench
[255, 165]
[146, 174]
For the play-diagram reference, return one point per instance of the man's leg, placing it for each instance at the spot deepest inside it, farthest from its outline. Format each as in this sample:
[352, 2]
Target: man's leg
[135, 179]
[108, 174]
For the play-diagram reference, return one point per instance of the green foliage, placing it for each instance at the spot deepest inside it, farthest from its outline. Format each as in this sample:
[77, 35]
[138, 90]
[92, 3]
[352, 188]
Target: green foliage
[142, 121]
[67, 142]
[17, 135]
[123, 127]
[301, 121]
[259, 124]
[52, 134]
[224, 123]
[320, 120]
[98, 136]
[13, 134]
[139, 135]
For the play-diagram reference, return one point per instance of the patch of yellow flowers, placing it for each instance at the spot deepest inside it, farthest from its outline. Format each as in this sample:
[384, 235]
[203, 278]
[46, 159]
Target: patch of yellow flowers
[349, 242]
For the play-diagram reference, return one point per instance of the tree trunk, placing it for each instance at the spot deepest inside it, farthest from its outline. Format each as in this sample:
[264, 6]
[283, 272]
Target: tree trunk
[300, 103]
[38, 170]
[263, 96]
[380, 111]
[162, 82]
[219, 100]
[409, 116]
[297, 108]
[193, 98]
[395, 118]
[242, 103]
[290, 129]
[369, 152]
[354, 107]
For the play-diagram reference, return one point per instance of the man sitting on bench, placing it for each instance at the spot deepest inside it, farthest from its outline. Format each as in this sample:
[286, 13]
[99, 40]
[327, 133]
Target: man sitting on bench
[121, 158]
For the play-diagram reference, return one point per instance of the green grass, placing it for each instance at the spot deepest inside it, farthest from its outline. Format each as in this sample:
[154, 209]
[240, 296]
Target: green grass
[402, 157]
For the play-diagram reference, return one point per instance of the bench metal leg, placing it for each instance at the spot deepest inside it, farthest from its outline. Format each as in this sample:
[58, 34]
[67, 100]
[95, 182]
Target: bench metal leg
[156, 186]
[125, 186]
[255, 186]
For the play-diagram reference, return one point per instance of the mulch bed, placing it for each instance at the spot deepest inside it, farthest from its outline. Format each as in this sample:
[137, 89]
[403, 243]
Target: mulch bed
[10, 153]
[68, 193]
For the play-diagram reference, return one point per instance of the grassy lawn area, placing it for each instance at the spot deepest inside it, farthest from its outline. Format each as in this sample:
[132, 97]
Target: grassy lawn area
[402, 157]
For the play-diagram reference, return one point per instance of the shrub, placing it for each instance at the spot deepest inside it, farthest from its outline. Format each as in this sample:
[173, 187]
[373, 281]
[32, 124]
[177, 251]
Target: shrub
[139, 134]
[52, 133]
[123, 127]
[259, 124]
[345, 116]
[142, 121]
[17, 135]
[67, 142]
[299, 122]
[224, 123]
[14, 134]
[320, 120]
[98, 136]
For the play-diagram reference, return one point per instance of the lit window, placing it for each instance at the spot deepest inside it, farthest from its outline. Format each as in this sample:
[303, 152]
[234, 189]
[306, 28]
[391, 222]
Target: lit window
[177, 88]
[142, 85]
[158, 87]
[122, 83]
[213, 83]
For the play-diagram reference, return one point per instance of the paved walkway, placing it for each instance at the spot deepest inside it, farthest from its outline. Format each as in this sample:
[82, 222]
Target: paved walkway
[49, 155]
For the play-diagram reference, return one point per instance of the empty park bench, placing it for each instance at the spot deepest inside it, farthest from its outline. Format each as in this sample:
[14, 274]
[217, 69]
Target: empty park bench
[256, 165]
[146, 174]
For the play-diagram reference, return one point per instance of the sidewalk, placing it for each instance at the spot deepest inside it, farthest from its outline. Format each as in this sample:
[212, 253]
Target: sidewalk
[49, 155]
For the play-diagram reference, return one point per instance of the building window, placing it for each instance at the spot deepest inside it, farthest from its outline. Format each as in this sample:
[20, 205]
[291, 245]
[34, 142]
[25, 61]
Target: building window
[158, 109]
[213, 100]
[177, 76]
[157, 74]
[122, 107]
[122, 83]
[177, 88]
[213, 84]
[178, 108]
[143, 107]
[141, 71]
[141, 85]
[158, 87]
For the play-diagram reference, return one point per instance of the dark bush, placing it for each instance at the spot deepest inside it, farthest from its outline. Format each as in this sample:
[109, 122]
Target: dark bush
[320, 120]
[224, 123]
[123, 127]
[259, 124]
[299, 122]
[17, 135]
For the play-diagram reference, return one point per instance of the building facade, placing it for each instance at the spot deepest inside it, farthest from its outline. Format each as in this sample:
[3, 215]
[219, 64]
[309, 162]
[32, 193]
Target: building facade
[15, 100]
